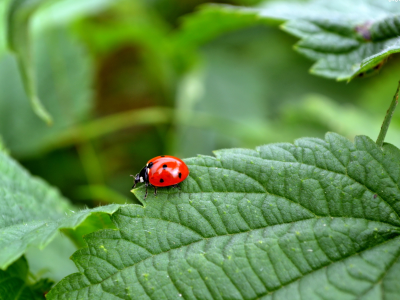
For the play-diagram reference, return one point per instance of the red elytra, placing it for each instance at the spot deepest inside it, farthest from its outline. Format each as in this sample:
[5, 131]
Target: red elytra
[162, 171]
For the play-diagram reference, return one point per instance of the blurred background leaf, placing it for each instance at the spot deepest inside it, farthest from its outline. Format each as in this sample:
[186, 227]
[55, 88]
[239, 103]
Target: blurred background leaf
[18, 35]
[54, 260]
[3, 32]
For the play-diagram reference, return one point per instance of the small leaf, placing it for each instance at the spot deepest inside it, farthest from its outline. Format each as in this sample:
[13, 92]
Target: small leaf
[302, 221]
[32, 212]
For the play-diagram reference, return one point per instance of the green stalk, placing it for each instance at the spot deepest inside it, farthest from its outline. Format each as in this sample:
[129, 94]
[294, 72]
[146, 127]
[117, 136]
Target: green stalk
[388, 118]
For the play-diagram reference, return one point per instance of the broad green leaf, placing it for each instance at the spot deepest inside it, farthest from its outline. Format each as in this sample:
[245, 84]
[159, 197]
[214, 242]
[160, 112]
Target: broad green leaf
[18, 20]
[315, 220]
[14, 283]
[32, 212]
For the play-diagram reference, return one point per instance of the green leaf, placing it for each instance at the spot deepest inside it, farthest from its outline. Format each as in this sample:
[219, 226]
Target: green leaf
[18, 36]
[63, 70]
[63, 74]
[315, 220]
[14, 283]
[201, 27]
[3, 30]
[346, 38]
[32, 212]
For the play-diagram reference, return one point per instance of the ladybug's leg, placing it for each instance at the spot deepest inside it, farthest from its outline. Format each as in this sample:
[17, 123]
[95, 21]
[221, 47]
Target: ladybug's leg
[145, 195]
[134, 185]
[155, 191]
[176, 186]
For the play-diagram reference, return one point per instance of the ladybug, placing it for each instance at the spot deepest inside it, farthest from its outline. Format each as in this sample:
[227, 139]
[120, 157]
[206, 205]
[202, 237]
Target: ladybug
[161, 171]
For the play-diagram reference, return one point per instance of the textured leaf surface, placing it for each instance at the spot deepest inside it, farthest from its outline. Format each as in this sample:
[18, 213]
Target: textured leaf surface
[32, 212]
[315, 220]
[14, 283]
[346, 38]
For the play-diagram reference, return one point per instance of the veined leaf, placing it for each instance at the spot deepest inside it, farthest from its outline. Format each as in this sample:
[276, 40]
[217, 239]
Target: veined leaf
[346, 38]
[315, 220]
[32, 212]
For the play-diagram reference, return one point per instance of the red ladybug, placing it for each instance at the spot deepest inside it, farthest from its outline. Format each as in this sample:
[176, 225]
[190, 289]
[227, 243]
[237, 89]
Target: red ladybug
[160, 171]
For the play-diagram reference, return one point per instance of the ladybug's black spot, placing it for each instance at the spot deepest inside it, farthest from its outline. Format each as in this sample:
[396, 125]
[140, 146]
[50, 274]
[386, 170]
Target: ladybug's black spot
[150, 165]
[180, 175]
[161, 180]
[164, 166]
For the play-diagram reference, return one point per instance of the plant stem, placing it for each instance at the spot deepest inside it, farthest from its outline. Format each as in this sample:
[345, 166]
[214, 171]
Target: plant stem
[388, 118]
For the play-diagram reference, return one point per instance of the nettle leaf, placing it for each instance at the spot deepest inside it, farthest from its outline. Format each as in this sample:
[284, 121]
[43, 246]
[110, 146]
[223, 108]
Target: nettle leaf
[15, 283]
[346, 38]
[315, 220]
[32, 212]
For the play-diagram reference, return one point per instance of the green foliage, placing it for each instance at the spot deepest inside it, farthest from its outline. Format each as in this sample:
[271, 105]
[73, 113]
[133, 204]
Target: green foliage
[126, 80]
[320, 217]
[15, 283]
[32, 212]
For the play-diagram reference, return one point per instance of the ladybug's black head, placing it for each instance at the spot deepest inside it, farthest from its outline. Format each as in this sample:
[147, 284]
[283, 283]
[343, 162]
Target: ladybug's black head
[143, 176]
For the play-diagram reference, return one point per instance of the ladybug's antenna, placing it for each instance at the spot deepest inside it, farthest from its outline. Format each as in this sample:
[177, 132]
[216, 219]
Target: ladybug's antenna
[136, 178]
